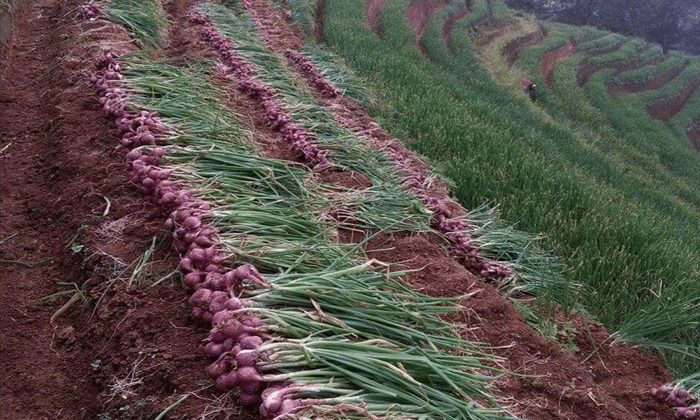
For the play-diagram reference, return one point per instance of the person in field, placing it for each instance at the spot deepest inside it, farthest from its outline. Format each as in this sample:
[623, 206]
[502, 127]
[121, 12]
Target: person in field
[530, 88]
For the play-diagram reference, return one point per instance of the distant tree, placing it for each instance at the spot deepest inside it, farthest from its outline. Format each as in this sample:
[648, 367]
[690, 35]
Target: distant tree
[665, 26]
[582, 13]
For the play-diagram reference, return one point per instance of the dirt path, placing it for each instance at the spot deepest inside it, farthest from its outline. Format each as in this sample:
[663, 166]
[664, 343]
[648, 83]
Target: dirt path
[512, 49]
[448, 25]
[42, 207]
[126, 351]
[550, 59]
[373, 13]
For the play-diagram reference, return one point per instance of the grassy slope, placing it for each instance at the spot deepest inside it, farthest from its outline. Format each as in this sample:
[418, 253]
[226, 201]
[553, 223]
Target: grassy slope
[618, 207]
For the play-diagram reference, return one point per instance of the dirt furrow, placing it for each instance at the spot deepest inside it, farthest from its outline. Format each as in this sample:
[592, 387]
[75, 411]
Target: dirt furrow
[449, 24]
[512, 49]
[654, 83]
[43, 205]
[373, 14]
[419, 12]
[587, 70]
[550, 59]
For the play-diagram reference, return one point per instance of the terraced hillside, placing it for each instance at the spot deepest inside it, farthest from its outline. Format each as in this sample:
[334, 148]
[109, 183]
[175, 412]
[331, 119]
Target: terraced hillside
[230, 211]
[605, 174]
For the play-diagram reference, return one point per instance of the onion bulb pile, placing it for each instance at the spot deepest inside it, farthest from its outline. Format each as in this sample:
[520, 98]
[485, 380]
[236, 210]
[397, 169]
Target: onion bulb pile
[311, 72]
[234, 336]
[89, 10]
[679, 398]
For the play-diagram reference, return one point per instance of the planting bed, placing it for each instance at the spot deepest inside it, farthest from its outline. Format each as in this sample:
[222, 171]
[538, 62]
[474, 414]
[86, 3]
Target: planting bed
[587, 70]
[373, 12]
[96, 319]
[419, 12]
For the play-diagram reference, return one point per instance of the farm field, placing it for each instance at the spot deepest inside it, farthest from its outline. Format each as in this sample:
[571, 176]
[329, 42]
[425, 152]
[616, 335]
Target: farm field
[574, 165]
[255, 209]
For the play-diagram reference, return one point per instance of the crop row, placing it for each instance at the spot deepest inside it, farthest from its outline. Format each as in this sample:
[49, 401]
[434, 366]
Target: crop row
[227, 206]
[570, 178]
[260, 334]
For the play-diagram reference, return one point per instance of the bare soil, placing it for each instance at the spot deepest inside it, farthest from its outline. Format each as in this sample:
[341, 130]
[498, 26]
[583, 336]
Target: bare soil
[449, 24]
[71, 224]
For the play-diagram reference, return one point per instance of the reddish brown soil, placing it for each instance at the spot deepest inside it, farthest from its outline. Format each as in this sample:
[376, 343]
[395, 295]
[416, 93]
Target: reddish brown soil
[625, 65]
[612, 384]
[418, 14]
[449, 24]
[667, 108]
[131, 349]
[587, 70]
[373, 14]
[128, 350]
[550, 59]
[512, 49]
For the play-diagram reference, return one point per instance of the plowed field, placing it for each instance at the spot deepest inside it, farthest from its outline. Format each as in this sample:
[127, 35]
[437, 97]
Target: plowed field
[83, 337]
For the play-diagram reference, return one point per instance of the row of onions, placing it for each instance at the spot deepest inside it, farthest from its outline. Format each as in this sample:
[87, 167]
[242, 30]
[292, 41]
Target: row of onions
[478, 238]
[416, 181]
[250, 338]
[681, 395]
[145, 19]
[684, 401]
[320, 333]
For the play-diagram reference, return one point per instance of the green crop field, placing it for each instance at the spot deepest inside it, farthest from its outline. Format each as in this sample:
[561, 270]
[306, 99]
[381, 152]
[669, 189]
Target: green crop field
[613, 191]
